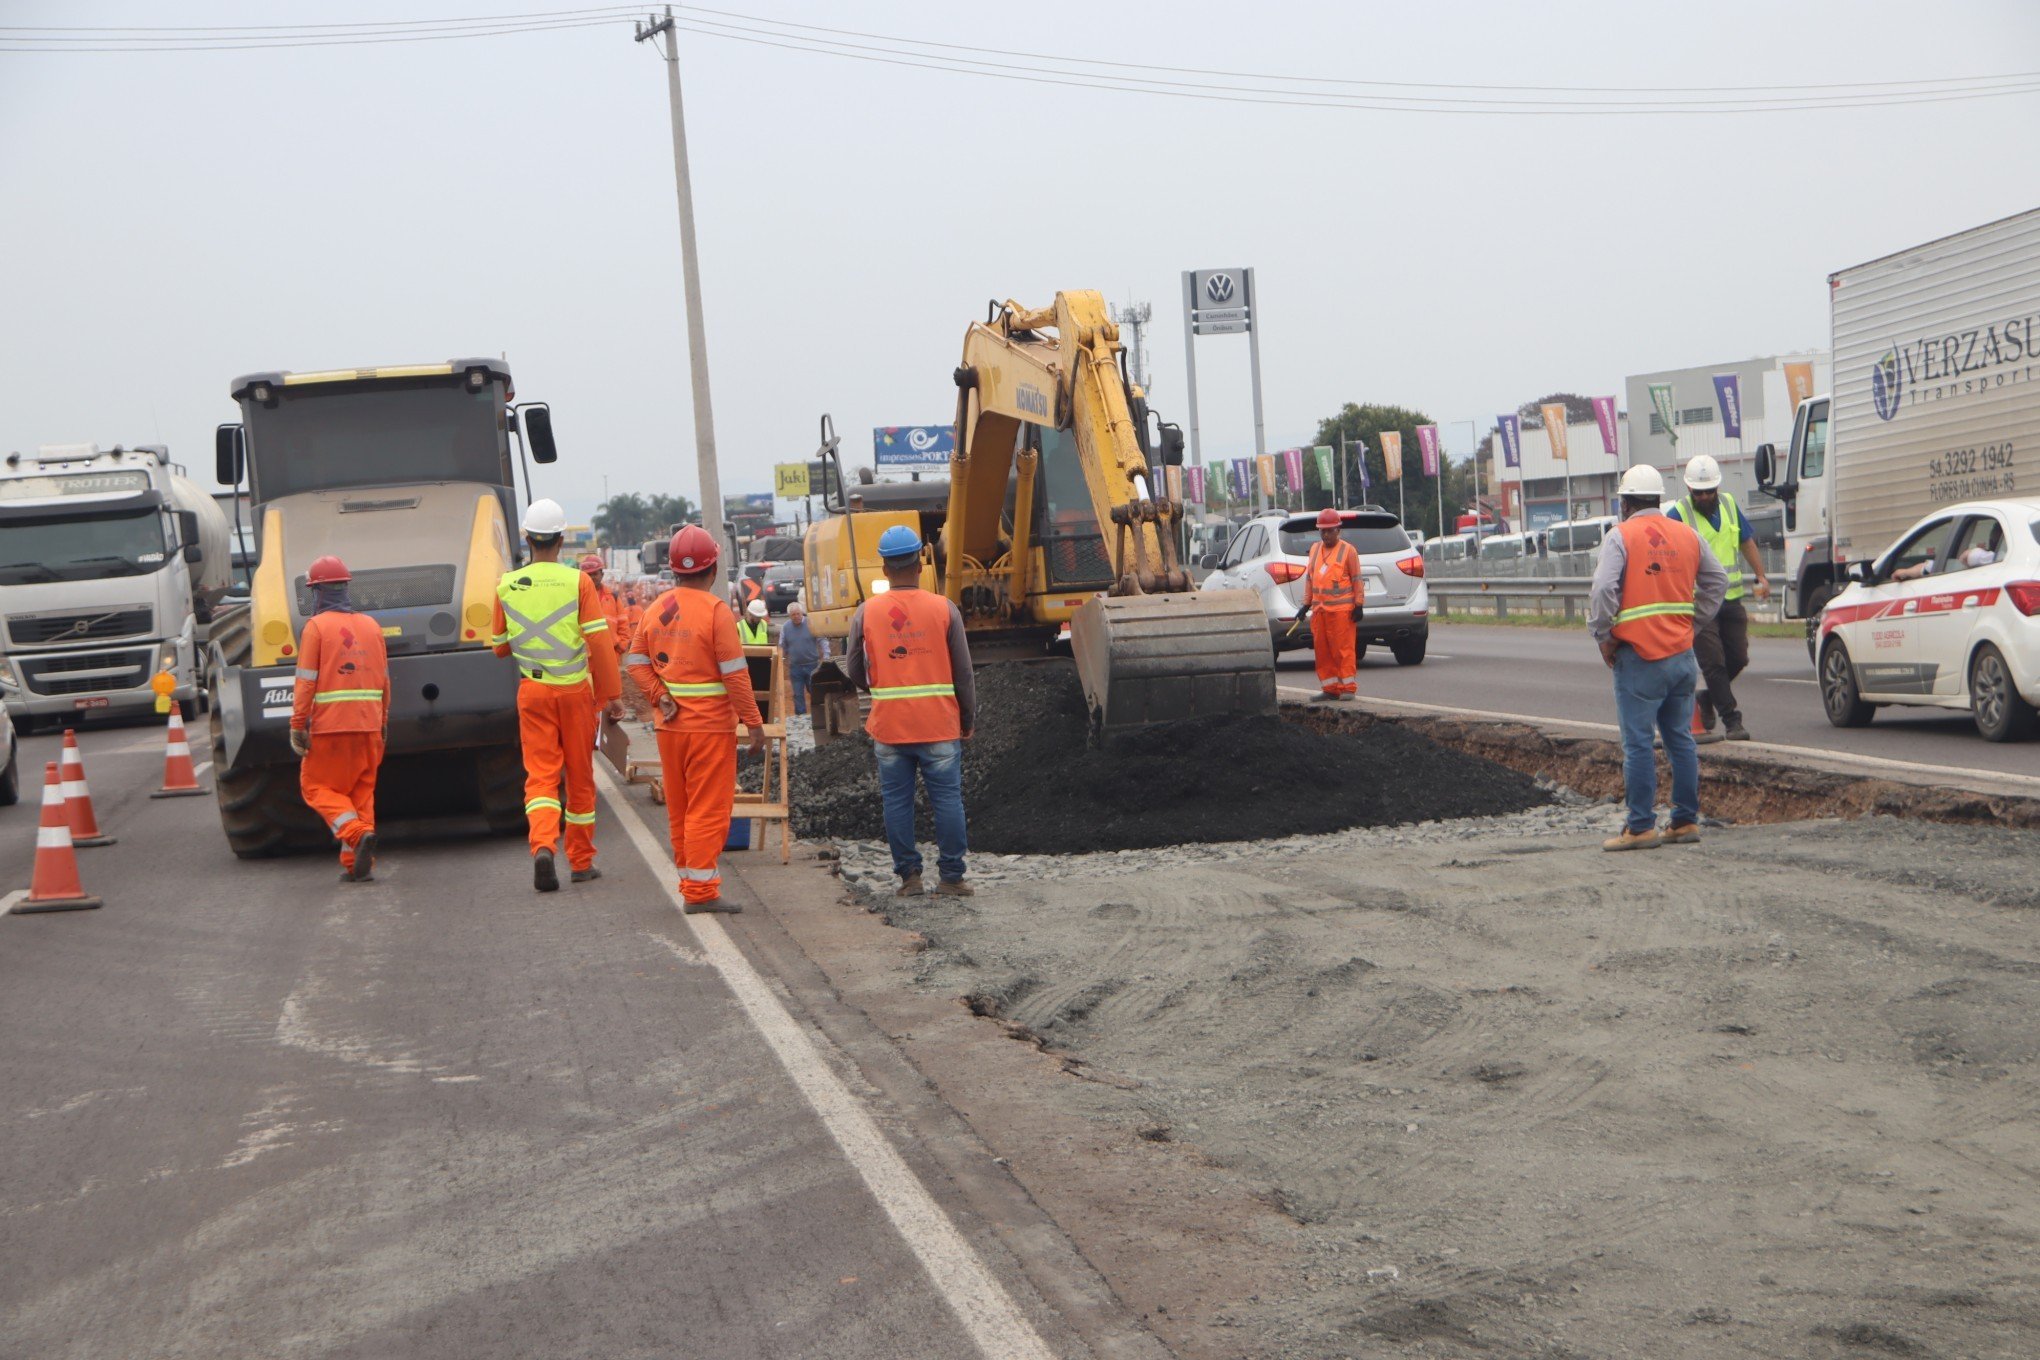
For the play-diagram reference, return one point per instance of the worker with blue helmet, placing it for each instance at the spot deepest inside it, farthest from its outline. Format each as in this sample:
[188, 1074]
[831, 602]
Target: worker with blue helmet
[908, 649]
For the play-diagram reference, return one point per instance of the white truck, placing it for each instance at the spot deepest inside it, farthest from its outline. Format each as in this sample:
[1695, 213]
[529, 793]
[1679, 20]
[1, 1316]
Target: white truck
[1936, 401]
[111, 561]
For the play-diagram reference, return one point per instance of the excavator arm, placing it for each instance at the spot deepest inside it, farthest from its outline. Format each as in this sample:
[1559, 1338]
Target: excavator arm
[1152, 648]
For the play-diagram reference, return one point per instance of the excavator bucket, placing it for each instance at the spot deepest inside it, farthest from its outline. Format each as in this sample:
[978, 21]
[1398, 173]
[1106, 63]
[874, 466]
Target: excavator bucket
[1148, 659]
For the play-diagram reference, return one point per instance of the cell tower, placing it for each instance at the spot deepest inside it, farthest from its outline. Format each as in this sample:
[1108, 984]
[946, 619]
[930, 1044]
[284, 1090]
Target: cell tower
[1135, 317]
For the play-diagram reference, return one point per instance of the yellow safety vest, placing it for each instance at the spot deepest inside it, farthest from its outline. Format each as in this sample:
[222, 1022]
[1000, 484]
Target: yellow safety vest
[754, 634]
[1724, 542]
[542, 622]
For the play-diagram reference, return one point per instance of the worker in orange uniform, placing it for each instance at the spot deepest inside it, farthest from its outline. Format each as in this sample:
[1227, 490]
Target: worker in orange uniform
[1331, 599]
[620, 631]
[341, 715]
[687, 660]
[550, 619]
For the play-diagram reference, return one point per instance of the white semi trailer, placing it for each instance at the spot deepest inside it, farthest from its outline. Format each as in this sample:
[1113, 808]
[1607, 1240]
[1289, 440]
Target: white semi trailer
[111, 563]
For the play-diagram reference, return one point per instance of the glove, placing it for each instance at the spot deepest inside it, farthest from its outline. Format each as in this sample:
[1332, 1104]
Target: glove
[300, 741]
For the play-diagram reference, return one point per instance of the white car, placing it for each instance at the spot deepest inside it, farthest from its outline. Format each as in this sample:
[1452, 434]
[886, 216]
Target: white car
[1949, 617]
[1270, 553]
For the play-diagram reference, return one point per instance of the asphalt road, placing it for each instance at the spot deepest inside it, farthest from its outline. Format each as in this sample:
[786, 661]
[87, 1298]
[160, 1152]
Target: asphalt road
[252, 1111]
[1557, 673]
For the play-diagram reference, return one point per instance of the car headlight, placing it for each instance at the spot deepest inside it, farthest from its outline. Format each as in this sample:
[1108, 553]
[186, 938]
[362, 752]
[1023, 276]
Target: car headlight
[7, 676]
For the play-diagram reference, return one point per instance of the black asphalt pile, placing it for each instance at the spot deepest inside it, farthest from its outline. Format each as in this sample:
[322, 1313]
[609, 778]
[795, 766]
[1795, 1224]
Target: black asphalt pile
[1034, 784]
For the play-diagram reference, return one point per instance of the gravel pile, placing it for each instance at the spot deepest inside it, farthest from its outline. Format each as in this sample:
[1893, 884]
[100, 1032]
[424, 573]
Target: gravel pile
[1034, 784]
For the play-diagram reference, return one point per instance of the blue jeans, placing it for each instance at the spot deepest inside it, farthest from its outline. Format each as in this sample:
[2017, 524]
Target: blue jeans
[1657, 695]
[941, 767]
[801, 676]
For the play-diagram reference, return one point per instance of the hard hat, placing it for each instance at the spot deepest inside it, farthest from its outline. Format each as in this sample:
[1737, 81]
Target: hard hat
[327, 571]
[1328, 518]
[692, 550]
[899, 541]
[756, 609]
[591, 563]
[1702, 473]
[1641, 480]
[545, 519]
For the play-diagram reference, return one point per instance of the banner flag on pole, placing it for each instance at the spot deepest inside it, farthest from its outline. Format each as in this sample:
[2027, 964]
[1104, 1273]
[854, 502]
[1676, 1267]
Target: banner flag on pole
[1172, 482]
[1266, 462]
[1323, 453]
[1604, 416]
[1366, 485]
[1661, 402]
[1728, 393]
[1391, 455]
[1511, 428]
[1193, 484]
[1798, 383]
[1554, 428]
[1427, 448]
[1292, 463]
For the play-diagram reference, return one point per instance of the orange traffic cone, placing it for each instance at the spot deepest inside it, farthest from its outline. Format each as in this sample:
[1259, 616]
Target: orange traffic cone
[179, 780]
[78, 797]
[56, 886]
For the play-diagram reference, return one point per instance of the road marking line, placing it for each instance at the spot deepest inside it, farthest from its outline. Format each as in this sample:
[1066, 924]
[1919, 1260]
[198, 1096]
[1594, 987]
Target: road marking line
[2023, 781]
[981, 1304]
[1791, 680]
[7, 902]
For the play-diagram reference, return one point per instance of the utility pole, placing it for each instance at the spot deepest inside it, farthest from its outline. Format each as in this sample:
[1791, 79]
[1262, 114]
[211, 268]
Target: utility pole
[690, 270]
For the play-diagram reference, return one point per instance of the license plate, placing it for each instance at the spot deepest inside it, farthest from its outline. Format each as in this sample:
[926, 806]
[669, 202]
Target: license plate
[91, 701]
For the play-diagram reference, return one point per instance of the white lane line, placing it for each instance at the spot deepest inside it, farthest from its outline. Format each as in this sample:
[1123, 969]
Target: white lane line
[7, 902]
[1845, 758]
[1791, 680]
[981, 1304]
[198, 772]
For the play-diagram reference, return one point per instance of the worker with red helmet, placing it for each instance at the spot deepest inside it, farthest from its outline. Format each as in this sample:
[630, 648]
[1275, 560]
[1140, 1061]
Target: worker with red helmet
[612, 609]
[1331, 599]
[688, 662]
[340, 715]
[549, 619]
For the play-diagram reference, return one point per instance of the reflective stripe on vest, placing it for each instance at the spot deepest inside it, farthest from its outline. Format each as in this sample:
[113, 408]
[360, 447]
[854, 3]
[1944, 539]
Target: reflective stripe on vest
[905, 635]
[1651, 611]
[1658, 577]
[685, 691]
[348, 696]
[1327, 590]
[1725, 542]
[913, 692]
[543, 621]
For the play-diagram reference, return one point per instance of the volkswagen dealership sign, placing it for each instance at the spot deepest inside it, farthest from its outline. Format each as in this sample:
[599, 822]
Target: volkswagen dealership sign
[1221, 301]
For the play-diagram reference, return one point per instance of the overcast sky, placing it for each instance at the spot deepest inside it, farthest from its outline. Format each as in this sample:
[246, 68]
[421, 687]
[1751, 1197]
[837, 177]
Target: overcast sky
[170, 220]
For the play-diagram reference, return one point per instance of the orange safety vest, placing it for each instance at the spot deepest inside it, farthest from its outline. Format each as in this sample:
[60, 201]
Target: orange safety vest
[687, 649]
[343, 675]
[1656, 617]
[1332, 580]
[906, 658]
[612, 609]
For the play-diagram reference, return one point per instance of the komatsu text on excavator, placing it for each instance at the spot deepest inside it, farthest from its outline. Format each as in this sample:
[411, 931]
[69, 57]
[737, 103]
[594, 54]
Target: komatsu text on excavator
[1055, 514]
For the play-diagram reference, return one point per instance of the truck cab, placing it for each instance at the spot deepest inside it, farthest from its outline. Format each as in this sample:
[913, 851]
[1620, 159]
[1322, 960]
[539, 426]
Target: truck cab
[1803, 480]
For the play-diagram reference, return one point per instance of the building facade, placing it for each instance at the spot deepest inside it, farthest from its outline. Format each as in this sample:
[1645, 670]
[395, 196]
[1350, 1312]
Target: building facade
[1766, 419]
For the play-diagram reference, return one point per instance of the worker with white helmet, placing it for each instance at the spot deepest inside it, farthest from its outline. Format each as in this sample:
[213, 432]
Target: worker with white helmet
[754, 629]
[550, 619]
[1654, 583]
[1722, 646]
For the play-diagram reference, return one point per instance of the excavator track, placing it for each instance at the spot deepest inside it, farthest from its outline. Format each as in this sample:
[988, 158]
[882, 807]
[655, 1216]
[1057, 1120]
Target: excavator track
[1150, 659]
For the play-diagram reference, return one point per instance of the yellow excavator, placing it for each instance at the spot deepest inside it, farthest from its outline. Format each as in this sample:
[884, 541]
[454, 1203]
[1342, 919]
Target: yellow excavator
[1054, 526]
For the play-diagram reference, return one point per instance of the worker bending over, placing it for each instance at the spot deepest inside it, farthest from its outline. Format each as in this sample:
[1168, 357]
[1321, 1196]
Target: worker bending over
[550, 619]
[687, 660]
[754, 630]
[1331, 597]
[341, 715]
[907, 646]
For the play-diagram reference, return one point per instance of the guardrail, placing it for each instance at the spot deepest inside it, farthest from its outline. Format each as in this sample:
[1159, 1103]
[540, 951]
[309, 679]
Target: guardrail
[1561, 596]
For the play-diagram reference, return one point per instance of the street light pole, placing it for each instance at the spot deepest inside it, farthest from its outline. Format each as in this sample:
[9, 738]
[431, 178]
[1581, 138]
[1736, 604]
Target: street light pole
[690, 270]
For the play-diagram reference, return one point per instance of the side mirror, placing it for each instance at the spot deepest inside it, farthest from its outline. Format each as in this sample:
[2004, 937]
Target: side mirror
[1767, 468]
[1857, 572]
[536, 422]
[1209, 561]
[187, 534]
[1172, 445]
[228, 455]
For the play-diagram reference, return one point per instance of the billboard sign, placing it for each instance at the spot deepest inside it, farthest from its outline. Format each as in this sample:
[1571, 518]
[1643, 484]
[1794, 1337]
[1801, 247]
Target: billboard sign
[1221, 301]
[913, 448]
[791, 480]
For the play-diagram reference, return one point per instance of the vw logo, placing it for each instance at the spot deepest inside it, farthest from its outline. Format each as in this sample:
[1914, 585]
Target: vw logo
[1219, 288]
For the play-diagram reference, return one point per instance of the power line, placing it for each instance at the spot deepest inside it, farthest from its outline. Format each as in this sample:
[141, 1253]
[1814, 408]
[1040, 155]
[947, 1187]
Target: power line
[350, 40]
[135, 30]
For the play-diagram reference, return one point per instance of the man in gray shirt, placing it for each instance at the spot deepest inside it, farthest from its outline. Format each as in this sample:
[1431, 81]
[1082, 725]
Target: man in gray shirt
[1655, 581]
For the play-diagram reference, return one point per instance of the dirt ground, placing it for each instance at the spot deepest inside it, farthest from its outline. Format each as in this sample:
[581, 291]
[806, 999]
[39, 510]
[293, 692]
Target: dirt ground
[1036, 784]
[1500, 1094]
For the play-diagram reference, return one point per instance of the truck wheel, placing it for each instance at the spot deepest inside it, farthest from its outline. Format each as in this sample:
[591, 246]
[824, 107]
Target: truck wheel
[1838, 692]
[1814, 604]
[499, 782]
[1411, 651]
[261, 810]
[2001, 715]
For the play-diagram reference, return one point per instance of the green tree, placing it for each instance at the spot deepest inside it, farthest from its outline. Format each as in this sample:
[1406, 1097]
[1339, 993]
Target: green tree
[1364, 424]
[668, 511]
[630, 519]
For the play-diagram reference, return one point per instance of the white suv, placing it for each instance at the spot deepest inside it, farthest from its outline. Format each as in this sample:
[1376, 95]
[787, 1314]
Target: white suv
[1268, 555]
[1948, 618]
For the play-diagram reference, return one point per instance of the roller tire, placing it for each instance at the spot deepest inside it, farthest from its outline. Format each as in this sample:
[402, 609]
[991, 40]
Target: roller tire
[499, 784]
[261, 809]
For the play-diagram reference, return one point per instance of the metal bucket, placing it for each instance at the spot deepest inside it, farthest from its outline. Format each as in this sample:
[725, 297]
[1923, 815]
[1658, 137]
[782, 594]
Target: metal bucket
[1147, 659]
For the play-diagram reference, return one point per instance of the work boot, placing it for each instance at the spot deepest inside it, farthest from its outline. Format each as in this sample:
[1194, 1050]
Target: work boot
[364, 859]
[1681, 833]
[910, 886]
[1326, 697]
[954, 887]
[1707, 738]
[1735, 730]
[1706, 702]
[1634, 840]
[544, 876]
[587, 875]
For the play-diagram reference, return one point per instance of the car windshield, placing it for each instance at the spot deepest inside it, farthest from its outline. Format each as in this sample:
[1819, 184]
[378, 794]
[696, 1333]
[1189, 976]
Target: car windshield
[68, 548]
[321, 436]
[786, 572]
[1367, 536]
[1502, 548]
